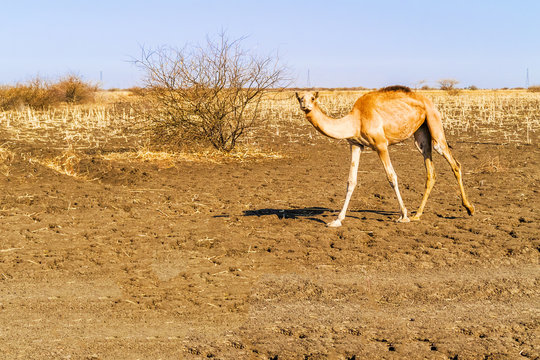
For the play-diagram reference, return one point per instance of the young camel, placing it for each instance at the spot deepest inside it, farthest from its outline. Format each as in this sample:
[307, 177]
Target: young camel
[382, 118]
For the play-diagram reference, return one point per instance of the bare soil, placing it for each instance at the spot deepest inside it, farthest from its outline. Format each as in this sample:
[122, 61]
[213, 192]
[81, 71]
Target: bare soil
[147, 260]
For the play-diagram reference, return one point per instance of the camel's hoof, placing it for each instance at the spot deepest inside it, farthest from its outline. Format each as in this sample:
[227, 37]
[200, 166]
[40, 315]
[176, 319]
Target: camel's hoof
[416, 217]
[335, 223]
[403, 220]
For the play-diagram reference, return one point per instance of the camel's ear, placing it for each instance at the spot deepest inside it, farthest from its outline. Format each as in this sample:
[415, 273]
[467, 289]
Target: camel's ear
[316, 94]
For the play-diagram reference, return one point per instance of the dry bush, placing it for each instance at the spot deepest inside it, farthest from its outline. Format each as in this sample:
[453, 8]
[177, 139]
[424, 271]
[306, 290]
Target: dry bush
[205, 95]
[72, 89]
[35, 94]
[41, 94]
[534, 88]
[449, 85]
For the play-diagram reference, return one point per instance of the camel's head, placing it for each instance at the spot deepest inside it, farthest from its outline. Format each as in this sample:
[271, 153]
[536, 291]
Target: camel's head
[307, 100]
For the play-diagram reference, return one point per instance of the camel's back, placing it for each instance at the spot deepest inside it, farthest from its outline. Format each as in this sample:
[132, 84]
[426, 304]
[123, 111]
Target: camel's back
[397, 109]
[389, 96]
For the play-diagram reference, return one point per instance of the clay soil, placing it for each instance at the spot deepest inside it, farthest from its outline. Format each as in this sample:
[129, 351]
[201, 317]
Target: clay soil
[232, 260]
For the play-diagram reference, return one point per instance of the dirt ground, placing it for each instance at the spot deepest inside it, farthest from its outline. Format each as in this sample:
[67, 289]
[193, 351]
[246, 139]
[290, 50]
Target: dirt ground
[232, 260]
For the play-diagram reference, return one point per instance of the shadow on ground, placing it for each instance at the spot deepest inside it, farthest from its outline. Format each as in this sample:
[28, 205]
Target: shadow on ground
[310, 212]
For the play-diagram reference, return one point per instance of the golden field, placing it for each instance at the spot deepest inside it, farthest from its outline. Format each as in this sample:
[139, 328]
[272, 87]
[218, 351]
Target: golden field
[475, 114]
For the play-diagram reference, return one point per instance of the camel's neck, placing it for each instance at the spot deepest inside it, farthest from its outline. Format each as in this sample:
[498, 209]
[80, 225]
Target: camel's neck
[342, 128]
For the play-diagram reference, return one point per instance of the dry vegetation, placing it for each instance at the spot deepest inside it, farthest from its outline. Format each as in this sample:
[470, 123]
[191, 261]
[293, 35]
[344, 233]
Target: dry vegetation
[110, 128]
[207, 94]
[40, 93]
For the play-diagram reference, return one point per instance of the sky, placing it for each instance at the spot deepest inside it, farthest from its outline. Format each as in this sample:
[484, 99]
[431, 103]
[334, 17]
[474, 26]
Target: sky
[489, 44]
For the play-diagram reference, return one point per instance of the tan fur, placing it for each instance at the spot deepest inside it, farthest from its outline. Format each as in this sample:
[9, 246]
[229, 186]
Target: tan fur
[382, 118]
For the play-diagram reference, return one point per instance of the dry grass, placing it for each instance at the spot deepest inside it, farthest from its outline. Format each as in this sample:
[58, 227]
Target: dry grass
[492, 116]
[72, 126]
[242, 153]
[112, 131]
[6, 158]
[67, 164]
[493, 165]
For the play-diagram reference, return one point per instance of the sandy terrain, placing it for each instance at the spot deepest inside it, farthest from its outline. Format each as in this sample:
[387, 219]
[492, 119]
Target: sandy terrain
[232, 260]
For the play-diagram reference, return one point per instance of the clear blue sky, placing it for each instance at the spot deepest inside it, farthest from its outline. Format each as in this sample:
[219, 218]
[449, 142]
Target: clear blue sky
[342, 43]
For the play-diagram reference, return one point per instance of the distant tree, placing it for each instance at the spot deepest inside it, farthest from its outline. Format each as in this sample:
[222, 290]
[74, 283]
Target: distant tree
[71, 88]
[472, 87]
[447, 84]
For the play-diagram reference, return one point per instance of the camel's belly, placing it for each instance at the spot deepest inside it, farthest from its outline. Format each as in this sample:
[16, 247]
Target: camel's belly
[401, 129]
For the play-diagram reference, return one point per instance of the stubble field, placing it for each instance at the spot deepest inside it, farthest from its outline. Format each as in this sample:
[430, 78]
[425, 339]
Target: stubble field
[109, 250]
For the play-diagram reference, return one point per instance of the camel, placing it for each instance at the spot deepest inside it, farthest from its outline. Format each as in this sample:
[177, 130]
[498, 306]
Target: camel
[382, 118]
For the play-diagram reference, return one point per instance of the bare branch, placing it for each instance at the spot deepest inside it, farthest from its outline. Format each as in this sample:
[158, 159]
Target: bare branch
[206, 94]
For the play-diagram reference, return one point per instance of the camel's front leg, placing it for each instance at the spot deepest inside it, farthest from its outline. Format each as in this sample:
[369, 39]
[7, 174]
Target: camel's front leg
[392, 178]
[351, 184]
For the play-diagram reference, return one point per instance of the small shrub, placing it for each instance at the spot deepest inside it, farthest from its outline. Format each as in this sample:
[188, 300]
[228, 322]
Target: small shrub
[72, 89]
[534, 88]
[35, 93]
[448, 85]
[40, 94]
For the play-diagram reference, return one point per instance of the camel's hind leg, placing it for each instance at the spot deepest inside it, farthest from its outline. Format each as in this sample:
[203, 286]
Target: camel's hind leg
[456, 168]
[422, 140]
[439, 144]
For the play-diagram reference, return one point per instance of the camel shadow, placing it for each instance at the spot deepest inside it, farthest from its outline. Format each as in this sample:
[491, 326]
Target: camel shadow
[307, 213]
[310, 212]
